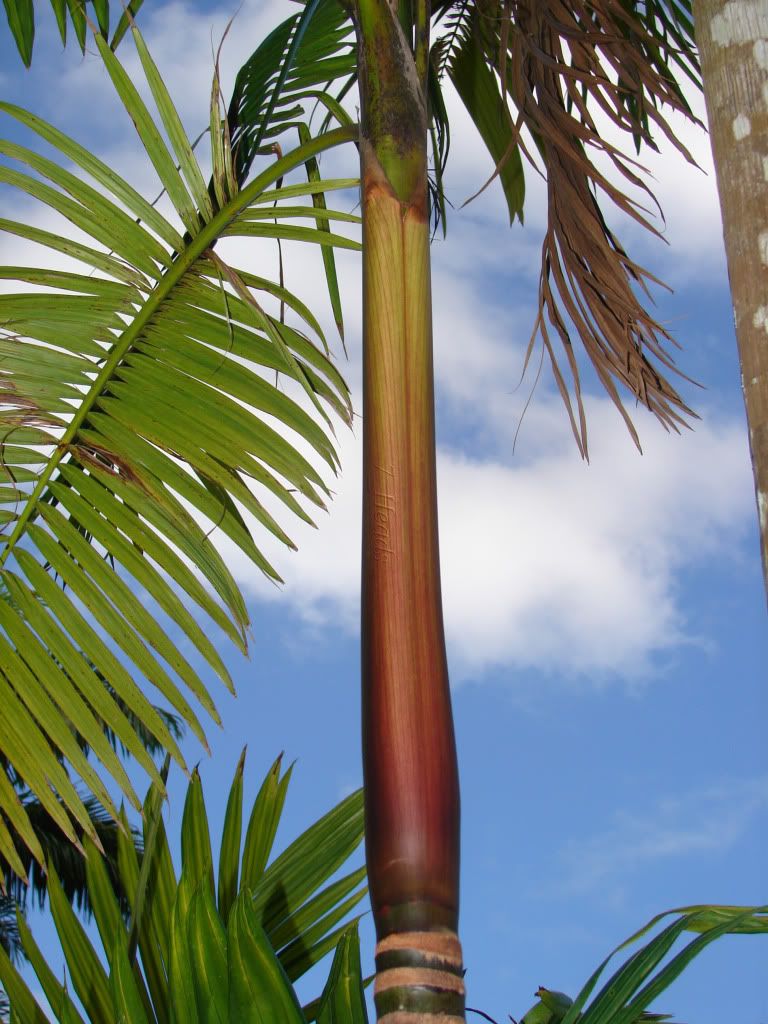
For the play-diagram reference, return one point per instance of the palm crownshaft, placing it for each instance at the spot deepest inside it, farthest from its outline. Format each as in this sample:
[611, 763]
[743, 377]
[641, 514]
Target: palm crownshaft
[411, 776]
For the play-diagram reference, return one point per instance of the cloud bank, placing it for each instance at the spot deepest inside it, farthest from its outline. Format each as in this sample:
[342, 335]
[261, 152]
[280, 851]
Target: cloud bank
[709, 820]
[547, 562]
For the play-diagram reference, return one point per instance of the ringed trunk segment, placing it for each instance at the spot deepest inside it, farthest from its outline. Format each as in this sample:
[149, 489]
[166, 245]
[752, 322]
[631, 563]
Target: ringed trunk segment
[733, 46]
[419, 979]
[409, 752]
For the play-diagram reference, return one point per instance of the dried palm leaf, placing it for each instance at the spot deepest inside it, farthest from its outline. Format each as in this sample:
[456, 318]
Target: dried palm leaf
[565, 66]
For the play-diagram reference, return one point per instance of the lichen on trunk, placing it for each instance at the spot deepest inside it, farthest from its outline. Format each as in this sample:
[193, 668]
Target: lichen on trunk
[733, 45]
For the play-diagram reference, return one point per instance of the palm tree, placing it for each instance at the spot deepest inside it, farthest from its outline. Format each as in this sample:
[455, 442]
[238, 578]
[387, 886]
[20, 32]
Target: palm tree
[734, 70]
[544, 59]
[167, 332]
[10, 940]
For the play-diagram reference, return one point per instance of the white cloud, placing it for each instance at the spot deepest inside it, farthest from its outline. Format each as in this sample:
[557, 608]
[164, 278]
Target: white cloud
[709, 820]
[187, 67]
[546, 562]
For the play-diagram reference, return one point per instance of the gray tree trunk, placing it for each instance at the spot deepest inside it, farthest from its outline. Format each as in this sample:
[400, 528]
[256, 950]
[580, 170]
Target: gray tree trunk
[732, 38]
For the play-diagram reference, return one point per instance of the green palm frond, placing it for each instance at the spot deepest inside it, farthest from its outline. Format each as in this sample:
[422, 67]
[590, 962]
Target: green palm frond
[147, 739]
[481, 93]
[454, 19]
[649, 971]
[195, 950]
[140, 412]
[306, 64]
[31, 885]
[21, 21]
[308, 61]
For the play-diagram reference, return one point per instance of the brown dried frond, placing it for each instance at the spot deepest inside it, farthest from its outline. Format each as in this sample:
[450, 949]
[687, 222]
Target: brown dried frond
[565, 59]
[92, 454]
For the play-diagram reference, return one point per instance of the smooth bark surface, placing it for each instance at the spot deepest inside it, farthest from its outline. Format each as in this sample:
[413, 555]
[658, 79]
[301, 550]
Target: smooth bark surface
[411, 778]
[733, 45]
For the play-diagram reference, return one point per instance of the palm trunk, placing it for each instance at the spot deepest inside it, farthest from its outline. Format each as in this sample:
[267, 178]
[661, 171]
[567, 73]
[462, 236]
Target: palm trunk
[409, 754]
[733, 46]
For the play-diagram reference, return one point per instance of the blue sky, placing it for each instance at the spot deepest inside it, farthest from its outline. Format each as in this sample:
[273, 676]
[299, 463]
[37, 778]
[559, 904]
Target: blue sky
[605, 622]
